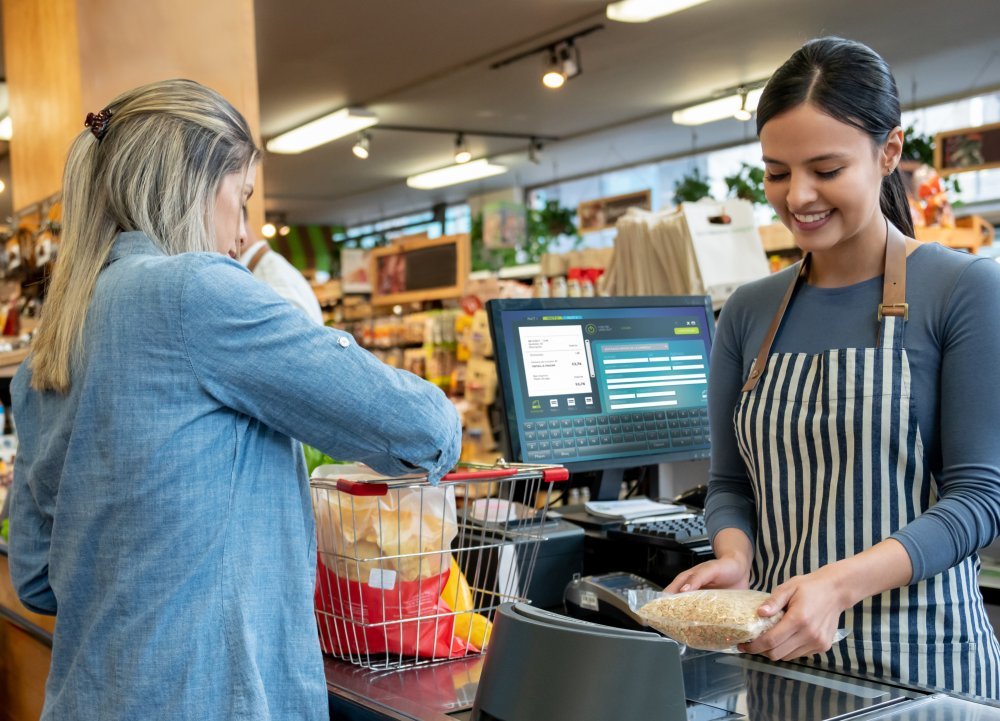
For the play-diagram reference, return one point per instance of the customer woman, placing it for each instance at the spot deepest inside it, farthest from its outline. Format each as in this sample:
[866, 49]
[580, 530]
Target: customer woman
[854, 400]
[160, 505]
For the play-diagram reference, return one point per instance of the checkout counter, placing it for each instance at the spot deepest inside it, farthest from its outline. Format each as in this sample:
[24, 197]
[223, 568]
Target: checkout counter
[717, 687]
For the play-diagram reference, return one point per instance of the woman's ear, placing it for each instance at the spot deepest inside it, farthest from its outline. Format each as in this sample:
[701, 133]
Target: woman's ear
[892, 150]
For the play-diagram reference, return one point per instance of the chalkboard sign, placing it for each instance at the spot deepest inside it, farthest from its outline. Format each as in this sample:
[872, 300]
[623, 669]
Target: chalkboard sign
[418, 269]
[958, 151]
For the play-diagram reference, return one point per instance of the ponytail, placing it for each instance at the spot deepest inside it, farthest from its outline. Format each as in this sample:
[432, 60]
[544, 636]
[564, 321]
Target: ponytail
[894, 203]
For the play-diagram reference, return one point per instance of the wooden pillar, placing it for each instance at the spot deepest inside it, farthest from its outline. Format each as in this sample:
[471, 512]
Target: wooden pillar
[65, 58]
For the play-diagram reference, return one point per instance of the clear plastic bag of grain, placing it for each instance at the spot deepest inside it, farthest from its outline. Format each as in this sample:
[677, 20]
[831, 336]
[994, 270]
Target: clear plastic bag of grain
[709, 619]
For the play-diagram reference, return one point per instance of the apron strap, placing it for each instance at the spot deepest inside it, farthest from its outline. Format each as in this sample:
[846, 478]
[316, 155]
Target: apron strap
[765, 348]
[261, 252]
[893, 303]
[893, 311]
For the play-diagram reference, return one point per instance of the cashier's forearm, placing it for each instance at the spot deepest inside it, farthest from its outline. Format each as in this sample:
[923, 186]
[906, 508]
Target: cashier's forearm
[882, 567]
[733, 543]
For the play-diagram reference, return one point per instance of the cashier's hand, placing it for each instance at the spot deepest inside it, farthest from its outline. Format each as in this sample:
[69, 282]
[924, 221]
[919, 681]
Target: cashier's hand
[813, 603]
[717, 573]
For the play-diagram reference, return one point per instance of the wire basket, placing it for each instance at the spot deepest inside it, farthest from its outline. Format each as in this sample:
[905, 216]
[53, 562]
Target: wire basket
[409, 573]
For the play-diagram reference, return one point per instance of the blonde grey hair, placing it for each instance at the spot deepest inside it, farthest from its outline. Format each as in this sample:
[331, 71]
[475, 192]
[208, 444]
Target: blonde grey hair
[157, 169]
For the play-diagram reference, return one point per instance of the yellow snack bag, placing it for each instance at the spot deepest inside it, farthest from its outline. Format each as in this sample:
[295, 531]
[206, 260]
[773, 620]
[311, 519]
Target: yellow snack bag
[471, 627]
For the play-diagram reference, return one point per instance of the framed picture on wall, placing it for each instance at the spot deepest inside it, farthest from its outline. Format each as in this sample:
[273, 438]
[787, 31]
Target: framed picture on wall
[420, 269]
[959, 151]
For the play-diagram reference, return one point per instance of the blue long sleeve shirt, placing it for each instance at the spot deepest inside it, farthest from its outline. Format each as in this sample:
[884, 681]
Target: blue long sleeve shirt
[162, 507]
[952, 340]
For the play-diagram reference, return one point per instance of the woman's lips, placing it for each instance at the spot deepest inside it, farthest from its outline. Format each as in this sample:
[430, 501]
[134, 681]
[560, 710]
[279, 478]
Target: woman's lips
[811, 221]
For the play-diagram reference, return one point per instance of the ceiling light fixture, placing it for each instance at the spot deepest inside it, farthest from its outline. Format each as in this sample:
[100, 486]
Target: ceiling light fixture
[642, 11]
[535, 151]
[284, 230]
[553, 77]
[743, 113]
[6, 128]
[563, 64]
[455, 174]
[323, 130]
[268, 230]
[362, 146]
[462, 154]
[728, 106]
[561, 57]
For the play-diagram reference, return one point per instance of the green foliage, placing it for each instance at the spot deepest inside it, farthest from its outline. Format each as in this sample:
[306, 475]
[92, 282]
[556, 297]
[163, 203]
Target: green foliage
[921, 148]
[917, 147]
[747, 184]
[315, 458]
[691, 188]
[5, 529]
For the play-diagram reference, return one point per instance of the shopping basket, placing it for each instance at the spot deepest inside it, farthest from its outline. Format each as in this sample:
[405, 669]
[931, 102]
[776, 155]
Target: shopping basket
[409, 573]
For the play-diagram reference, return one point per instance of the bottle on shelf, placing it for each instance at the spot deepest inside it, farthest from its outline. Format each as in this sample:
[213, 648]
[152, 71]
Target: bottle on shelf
[573, 283]
[557, 287]
[540, 287]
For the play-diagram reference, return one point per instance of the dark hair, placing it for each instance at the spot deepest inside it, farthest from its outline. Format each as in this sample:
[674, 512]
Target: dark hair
[851, 83]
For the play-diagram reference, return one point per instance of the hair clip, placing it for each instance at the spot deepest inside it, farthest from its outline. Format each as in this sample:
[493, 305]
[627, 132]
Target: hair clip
[98, 123]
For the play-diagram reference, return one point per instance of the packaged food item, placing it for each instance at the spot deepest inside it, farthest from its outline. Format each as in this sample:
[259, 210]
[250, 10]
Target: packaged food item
[710, 619]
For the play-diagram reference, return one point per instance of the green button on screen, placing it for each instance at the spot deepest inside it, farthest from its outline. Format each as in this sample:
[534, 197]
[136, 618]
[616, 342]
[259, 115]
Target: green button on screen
[687, 331]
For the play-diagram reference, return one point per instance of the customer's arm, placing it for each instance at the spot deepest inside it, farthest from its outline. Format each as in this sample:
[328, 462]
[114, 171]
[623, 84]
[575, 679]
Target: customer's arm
[257, 354]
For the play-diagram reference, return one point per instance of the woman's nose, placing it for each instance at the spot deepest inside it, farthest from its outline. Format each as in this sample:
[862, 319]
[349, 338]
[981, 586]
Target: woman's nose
[801, 192]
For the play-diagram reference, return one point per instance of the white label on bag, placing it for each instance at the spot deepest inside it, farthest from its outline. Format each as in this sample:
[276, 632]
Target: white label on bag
[382, 578]
[588, 600]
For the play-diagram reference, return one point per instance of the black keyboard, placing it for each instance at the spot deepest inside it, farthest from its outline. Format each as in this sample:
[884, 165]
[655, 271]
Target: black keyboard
[685, 533]
[599, 435]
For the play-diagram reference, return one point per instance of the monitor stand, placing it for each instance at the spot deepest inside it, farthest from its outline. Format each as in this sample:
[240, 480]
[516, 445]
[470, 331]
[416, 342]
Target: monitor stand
[606, 484]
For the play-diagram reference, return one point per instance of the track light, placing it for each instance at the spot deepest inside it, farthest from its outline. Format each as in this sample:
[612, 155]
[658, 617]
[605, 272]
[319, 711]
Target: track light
[268, 230]
[284, 230]
[743, 113]
[553, 77]
[362, 146]
[462, 154]
[562, 64]
[535, 151]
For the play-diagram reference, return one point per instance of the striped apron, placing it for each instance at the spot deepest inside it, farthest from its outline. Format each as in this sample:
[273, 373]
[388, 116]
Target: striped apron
[835, 458]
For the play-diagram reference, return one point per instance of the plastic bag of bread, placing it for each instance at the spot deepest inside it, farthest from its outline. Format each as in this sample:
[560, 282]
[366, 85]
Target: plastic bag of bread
[709, 619]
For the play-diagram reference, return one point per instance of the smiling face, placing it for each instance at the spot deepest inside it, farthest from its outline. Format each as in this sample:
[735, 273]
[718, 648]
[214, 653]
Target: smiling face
[230, 218]
[824, 178]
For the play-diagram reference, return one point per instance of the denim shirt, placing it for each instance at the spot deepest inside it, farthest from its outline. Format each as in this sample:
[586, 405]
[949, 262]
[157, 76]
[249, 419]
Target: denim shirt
[162, 507]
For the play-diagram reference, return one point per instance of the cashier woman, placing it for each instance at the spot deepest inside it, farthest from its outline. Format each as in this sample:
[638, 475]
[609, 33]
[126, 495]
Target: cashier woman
[854, 402]
[160, 501]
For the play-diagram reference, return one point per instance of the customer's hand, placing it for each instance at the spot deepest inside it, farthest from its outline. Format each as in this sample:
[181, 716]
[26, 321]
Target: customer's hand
[813, 603]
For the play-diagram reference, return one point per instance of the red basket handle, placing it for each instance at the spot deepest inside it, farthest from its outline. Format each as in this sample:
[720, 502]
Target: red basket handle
[554, 475]
[362, 488]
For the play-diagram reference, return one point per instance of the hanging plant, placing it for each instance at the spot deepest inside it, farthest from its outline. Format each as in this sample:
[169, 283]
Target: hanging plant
[544, 226]
[691, 188]
[747, 184]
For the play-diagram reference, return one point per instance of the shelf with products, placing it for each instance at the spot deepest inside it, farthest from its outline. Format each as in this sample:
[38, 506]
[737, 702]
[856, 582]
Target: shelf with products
[969, 233]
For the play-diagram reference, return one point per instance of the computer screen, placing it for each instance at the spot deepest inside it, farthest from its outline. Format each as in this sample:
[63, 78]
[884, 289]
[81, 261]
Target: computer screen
[597, 383]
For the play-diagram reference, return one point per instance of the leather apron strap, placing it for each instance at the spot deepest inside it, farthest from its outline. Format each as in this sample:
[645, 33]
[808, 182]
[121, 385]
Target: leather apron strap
[261, 252]
[893, 299]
